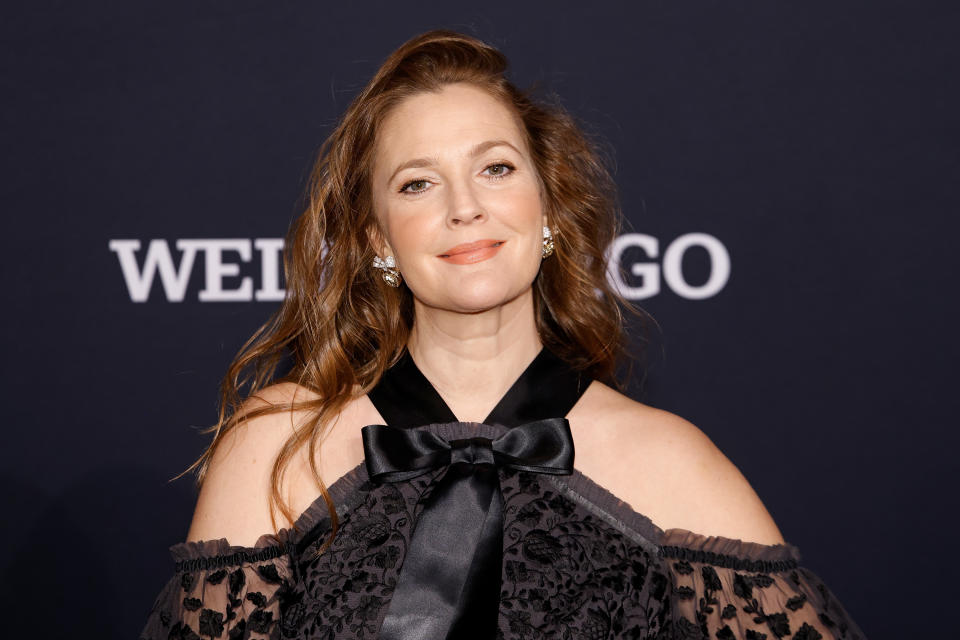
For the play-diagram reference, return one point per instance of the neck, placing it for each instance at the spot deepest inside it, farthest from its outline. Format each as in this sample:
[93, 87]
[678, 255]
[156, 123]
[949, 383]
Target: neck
[473, 359]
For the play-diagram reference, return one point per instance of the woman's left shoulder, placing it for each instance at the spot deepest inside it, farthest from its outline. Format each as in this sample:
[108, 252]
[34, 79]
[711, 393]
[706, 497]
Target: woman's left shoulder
[666, 468]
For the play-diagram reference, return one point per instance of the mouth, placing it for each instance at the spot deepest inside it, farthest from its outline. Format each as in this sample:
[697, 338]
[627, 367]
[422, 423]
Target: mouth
[471, 252]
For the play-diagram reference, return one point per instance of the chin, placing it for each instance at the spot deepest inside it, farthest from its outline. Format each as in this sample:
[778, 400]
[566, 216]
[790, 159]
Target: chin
[477, 298]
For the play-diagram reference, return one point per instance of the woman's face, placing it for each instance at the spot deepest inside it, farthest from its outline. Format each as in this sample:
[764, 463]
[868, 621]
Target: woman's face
[458, 197]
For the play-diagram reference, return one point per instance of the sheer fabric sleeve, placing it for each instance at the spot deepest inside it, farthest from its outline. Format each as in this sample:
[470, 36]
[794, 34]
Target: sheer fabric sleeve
[223, 591]
[727, 589]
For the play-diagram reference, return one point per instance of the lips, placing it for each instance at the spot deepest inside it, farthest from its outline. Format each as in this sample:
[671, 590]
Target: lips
[471, 252]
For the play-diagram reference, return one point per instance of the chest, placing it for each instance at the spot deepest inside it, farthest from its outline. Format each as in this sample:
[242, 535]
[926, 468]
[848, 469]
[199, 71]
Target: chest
[630, 475]
[564, 566]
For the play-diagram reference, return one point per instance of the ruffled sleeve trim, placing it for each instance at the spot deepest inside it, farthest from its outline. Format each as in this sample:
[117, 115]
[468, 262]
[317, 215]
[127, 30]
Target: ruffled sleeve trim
[727, 552]
[682, 544]
[597, 497]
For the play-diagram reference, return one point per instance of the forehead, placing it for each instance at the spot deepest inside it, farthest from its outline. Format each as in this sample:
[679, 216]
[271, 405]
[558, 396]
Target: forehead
[445, 123]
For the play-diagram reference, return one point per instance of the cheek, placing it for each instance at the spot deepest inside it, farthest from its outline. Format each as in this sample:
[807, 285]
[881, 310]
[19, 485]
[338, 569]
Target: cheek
[519, 210]
[520, 205]
[525, 215]
[401, 238]
[411, 233]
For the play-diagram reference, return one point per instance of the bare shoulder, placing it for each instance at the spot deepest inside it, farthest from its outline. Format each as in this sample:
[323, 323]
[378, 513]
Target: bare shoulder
[666, 468]
[234, 501]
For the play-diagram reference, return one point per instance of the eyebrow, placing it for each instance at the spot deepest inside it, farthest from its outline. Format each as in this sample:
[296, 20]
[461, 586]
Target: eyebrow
[482, 147]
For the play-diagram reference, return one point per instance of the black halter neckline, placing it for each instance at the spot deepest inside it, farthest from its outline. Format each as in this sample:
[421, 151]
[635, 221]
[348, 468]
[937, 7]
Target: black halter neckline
[449, 583]
[547, 388]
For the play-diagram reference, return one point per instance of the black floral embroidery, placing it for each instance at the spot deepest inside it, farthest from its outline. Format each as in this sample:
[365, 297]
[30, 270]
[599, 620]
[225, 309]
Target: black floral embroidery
[260, 621]
[542, 548]
[762, 580]
[393, 502]
[683, 629]
[516, 571]
[238, 631]
[530, 514]
[529, 483]
[711, 581]
[685, 593]
[387, 557]
[211, 623]
[659, 585]
[568, 572]
[563, 569]
[742, 586]
[561, 505]
[181, 631]
[237, 580]
[779, 624]
[725, 633]
[192, 604]
[806, 632]
[269, 573]
[217, 576]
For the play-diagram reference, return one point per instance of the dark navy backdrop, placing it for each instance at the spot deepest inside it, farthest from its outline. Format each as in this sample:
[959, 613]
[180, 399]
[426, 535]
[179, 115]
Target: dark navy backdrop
[814, 144]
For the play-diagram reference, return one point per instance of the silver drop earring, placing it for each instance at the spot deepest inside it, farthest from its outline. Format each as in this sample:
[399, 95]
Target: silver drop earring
[388, 270]
[547, 243]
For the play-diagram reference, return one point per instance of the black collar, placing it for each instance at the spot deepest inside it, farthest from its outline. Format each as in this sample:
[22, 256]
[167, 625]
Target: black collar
[547, 388]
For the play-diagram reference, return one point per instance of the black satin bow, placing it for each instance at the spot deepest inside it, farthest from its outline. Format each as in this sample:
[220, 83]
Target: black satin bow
[449, 584]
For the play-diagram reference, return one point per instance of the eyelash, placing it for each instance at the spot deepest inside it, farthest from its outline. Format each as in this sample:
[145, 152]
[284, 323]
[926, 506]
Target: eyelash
[510, 169]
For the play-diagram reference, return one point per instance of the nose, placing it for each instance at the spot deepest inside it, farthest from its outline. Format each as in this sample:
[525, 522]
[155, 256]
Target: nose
[463, 207]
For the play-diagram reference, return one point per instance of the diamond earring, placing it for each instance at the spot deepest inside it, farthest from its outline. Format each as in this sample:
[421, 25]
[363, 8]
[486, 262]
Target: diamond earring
[547, 243]
[388, 270]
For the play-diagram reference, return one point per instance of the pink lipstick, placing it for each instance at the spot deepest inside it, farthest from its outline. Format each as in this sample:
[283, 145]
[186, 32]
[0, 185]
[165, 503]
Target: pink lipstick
[471, 252]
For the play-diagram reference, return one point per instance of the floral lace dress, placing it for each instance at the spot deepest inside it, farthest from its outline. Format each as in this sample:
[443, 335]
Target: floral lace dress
[573, 561]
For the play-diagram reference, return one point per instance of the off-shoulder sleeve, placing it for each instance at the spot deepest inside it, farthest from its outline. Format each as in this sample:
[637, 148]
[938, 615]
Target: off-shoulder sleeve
[222, 591]
[727, 589]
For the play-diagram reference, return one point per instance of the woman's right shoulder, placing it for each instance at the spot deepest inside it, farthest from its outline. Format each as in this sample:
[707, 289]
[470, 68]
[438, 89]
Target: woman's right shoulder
[234, 499]
[252, 435]
[280, 393]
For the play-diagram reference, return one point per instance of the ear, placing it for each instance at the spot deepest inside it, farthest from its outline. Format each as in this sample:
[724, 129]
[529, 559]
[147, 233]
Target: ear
[546, 222]
[378, 241]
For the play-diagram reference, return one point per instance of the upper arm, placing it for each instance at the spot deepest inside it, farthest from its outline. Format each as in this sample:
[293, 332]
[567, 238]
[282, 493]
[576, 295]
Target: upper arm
[234, 500]
[710, 494]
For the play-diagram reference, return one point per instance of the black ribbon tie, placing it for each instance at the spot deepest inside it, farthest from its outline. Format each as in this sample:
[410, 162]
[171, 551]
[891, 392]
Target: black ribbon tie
[449, 583]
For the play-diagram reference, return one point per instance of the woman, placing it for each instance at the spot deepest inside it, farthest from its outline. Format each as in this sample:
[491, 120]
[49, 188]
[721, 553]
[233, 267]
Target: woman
[449, 347]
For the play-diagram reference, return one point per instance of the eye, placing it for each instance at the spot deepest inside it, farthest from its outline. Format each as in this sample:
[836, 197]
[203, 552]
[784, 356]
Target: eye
[499, 170]
[414, 186]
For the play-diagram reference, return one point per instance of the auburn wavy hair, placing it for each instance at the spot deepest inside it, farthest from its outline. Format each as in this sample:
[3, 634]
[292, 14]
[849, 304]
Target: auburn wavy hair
[340, 326]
